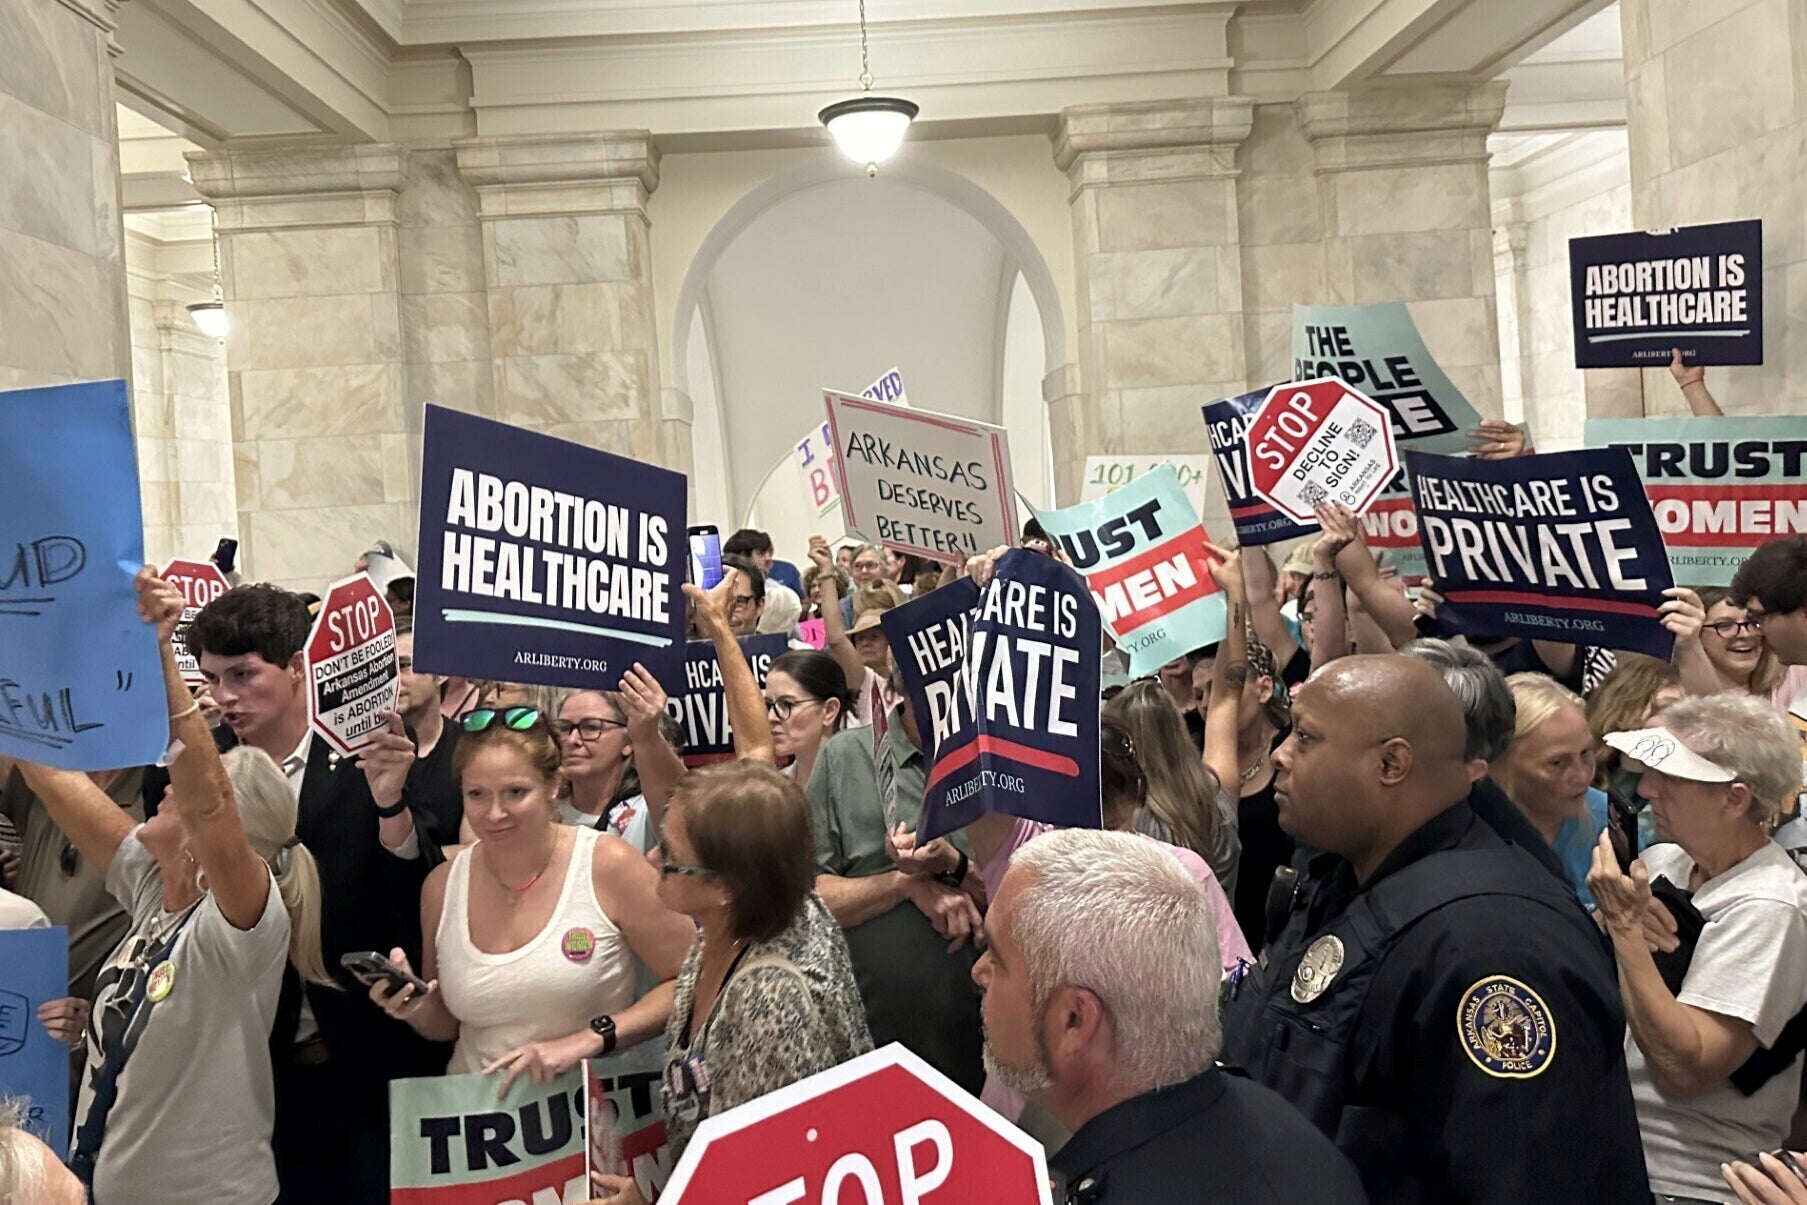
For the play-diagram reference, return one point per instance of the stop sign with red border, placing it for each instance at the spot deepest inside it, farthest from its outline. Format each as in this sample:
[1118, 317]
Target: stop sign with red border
[1320, 441]
[352, 670]
[881, 1129]
[200, 583]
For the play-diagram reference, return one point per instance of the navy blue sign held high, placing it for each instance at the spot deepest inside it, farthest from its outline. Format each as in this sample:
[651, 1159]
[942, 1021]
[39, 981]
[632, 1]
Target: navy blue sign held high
[1561, 546]
[545, 561]
[702, 710]
[1004, 683]
[1227, 422]
[1700, 288]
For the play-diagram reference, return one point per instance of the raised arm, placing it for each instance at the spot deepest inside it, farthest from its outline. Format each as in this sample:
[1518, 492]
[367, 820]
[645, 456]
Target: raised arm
[1226, 700]
[1330, 621]
[746, 705]
[1684, 616]
[1264, 613]
[837, 644]
[1693, 382]
[1390, 609]
[657, 762]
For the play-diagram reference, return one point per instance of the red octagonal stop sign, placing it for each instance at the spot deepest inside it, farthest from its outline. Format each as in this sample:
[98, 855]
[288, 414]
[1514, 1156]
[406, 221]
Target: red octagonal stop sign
[200, 583]
[1320, 441]
[882, 1129]
[351, 664]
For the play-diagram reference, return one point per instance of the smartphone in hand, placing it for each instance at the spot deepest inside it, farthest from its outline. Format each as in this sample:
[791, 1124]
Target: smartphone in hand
[370, 968]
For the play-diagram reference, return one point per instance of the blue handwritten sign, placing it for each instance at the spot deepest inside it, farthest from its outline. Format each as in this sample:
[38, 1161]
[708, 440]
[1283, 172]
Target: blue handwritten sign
[34, 967]
[1004, 684]
[545, 561]
[81, 684]
[1561, 546]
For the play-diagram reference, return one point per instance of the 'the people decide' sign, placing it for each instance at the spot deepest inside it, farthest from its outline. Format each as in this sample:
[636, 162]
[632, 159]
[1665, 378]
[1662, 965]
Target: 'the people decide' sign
[545, 561]
[1637, 296]
[922, 483]
[1560, 546]
[200, 583]
[1004, 684]
[81, 680]
[1142, 553]
[353, 673]
[1321, 441]
[702, 710]
[1719, 486]
[1377, 349]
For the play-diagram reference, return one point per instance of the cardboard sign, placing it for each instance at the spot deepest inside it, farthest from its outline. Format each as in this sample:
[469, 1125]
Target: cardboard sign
[1377, 349]
[34, 1067]
[1004, 684]
[814, 633]
[1719, 486]
[815, 451]
[1106, 473]
[451, 1142]
[922, 483]
[624, 1117]
[881, 1128]
[81, 679]
[545, 561]
[353, 673]
[1318, 441]
[1142, 553]
[200, 583]
[1257, 522]
[1559, 547]
[702, 710]
[1637, 296]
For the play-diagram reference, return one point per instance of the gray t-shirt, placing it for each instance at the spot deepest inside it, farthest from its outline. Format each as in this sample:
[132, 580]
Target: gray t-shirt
[1751, 963]
[197, 1100]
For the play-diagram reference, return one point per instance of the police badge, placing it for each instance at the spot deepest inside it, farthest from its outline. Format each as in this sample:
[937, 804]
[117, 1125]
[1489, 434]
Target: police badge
[1323, 959]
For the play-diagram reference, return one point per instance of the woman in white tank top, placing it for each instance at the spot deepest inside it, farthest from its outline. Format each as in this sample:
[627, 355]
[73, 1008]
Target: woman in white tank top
[539, 937]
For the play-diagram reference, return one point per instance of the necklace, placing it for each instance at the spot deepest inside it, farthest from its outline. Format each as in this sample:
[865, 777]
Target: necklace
[515, 893]
[1255, 766]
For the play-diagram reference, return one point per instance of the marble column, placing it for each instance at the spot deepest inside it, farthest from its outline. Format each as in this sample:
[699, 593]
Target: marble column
[315, 355]
[1156, 236]
[62, 260]
[1716, 107]
[568, 269]
[1406, 215]
[183, 424]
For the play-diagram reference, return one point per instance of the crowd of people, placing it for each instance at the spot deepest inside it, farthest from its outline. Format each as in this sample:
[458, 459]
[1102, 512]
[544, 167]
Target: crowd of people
[1370, 914]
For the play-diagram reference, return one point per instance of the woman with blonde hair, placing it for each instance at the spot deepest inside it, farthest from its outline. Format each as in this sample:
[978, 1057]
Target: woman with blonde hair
[1186, 804]
[178, 1099]
[1548, 771]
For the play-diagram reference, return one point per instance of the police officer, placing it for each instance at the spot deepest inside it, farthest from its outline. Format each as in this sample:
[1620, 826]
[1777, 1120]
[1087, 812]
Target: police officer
[1435, 1001]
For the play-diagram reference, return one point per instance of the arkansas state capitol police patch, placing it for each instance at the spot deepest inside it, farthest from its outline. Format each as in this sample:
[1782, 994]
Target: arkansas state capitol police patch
[1506, 1028]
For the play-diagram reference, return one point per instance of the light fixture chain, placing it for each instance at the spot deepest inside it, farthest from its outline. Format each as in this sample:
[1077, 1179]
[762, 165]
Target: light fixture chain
[213, 227]
[865, 52]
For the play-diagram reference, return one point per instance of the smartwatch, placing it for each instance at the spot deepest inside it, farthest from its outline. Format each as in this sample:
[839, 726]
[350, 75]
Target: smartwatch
[604, 1028]
[956, 876]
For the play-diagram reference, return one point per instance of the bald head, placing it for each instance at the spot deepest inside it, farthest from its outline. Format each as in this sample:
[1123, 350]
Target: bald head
[1378, 748]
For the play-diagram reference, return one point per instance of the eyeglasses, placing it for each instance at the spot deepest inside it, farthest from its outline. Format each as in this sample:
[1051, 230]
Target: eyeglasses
[516, 719]
[668, 868]
[743, 601]
[1725, 629]
[587, 730]
[782, 708]
[1115, 742]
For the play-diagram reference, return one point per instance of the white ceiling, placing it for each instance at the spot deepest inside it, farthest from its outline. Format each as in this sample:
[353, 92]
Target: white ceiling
[837, 284]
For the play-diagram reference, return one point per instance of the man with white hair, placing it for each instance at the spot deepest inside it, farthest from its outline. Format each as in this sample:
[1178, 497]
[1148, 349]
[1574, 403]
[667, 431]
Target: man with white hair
[1715, 1064]
[1101, 985]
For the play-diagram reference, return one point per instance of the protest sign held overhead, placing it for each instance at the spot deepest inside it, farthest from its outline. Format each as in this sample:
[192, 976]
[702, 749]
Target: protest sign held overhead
[816, 454]
[1320, 441]
[1377, 349]
[1719, 486]
[353, 672]
[1257, 522]
[1560, 546]
[928, 484]
[1004, 684]
[1142, 553]
[1637, 296]
[702, 710]
[1106, 473]
[624, 1119]
[81, 678]
[34, 1066]
[545, 561]
[451, 1142]
[200, 583]
[881, 1129]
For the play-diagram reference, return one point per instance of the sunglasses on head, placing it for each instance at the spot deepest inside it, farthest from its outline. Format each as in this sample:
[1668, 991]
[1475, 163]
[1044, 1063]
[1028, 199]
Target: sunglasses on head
[516, 719]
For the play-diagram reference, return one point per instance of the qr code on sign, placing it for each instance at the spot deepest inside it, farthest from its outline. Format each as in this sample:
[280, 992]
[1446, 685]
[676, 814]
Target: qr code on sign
[1313, 494]
[1361, 433]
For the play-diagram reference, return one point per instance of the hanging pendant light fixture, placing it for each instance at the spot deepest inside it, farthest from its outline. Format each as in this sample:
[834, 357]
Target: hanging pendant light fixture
[209, 317]
[868, 128]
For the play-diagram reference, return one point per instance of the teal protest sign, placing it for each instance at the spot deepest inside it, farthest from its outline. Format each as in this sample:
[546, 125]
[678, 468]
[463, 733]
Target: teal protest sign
[1719, 487]
[1141, 550]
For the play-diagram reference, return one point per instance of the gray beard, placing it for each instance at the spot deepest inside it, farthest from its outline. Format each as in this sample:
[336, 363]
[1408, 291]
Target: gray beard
[1024, 1081]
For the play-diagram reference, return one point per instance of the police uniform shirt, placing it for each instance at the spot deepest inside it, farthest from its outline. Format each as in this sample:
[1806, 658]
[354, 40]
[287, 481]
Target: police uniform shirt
[1480, 1057]
[1215, 1138]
